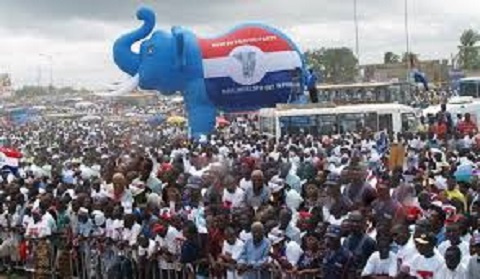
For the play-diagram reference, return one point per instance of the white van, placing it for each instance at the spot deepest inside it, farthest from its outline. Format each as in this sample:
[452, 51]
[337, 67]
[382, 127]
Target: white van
[321, 119]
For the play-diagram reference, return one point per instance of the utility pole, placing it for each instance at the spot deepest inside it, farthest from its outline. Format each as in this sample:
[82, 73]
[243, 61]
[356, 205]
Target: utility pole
[355, 19]
[407, 40]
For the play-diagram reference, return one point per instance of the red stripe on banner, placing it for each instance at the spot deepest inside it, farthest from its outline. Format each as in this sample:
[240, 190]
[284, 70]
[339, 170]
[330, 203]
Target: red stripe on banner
[262, 38]
[12, 153]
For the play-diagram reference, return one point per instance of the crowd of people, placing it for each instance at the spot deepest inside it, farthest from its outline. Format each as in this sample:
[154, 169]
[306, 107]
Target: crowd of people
[115, 200]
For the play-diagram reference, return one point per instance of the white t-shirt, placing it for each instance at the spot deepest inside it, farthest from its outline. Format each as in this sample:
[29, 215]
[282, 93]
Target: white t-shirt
[113, 228]
[171, 242]
[459, 273]
[38, 230]
[237, 199]
[245, 185]
[149, 251]
[464, 248]
[426, 268]
[131, 235]
[406, 253]
[234, 251]
[377, 266]
[293, 252]
[245, 236]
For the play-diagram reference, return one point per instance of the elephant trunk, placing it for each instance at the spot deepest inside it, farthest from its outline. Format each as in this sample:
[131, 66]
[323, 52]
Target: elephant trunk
[127, 60]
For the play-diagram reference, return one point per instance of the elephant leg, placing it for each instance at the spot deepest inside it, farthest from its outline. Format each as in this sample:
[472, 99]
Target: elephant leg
[200, 110]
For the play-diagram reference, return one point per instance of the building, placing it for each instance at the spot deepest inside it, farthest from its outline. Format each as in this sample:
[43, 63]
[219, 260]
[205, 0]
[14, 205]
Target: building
[437, 71]
[6, 89]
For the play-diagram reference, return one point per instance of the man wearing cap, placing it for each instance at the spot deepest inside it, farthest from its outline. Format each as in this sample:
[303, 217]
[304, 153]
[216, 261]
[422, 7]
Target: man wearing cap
[338, 262]
[426, 264]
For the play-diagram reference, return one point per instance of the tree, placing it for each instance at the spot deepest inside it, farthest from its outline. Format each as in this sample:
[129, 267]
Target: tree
[337, 65]
[390, 58]
[469, 56]
[410, 57]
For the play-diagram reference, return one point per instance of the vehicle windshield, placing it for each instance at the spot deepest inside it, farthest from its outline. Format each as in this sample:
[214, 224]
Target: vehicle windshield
[328, 124]
[469, 88]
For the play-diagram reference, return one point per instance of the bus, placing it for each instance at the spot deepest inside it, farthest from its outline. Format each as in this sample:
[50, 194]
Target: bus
[318, 119]
[372, 92]
[469, 87]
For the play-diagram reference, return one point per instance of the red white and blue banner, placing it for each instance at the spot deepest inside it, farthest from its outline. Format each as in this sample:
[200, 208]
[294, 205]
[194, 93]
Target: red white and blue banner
[250, 67]
[9, 157]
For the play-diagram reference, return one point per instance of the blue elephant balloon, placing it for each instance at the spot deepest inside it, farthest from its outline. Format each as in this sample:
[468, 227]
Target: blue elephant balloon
[250, 67]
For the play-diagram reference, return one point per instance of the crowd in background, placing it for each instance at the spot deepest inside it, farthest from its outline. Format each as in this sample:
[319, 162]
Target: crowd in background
[115, 200]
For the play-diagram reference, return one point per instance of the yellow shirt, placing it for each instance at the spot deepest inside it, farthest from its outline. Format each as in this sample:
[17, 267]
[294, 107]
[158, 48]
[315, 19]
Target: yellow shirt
[456, 194]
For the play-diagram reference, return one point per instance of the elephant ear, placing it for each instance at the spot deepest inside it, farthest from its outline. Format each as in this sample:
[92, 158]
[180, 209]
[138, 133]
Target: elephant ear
[179, 40]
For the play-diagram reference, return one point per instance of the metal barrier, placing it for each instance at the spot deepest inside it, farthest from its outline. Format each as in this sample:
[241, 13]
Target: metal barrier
[60, 256]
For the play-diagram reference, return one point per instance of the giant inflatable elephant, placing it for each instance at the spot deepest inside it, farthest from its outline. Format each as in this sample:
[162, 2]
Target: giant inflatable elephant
[250, 67]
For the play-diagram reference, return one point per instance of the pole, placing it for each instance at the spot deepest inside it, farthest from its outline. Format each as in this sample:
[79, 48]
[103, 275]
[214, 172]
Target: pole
[355, 19]
[407, 40]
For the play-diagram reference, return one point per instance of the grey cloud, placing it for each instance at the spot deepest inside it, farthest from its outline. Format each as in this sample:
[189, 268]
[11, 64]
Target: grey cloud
[57, 17]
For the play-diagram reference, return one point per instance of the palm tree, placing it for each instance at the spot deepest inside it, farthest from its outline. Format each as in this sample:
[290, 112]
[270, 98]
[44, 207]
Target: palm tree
[468, 51]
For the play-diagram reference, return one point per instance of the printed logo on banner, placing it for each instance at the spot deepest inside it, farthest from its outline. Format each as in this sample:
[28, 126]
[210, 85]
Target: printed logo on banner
[247, 58]
[250, 67]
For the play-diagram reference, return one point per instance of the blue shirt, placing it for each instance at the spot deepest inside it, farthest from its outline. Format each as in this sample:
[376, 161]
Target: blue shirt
[311, 80]
[254, 255]
[441, 236]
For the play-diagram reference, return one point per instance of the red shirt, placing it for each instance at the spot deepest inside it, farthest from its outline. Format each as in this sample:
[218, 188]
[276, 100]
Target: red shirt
[466, 127]
[440, 130]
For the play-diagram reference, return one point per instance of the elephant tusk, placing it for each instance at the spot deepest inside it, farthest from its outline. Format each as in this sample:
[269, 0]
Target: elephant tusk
[124, 88]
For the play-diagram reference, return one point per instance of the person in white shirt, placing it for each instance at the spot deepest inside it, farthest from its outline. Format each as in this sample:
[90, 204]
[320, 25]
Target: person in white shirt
[231, 251]
[233, 196]
[406, 246]
[168, 245]
[453, 239]
[382, 262]
[426, 264]
[146, 253]
[452, 268]
[131, 230]
[36, 227]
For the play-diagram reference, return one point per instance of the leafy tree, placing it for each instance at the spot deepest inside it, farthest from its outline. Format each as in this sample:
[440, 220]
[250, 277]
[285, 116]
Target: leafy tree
[409, 57]
[337, 65]
[390, 58]
[469, 56]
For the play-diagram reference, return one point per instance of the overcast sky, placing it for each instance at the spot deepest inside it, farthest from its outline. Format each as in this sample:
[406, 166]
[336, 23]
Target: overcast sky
[79, 34]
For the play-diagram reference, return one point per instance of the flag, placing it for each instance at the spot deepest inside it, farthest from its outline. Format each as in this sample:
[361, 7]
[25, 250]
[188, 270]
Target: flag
[9, 158]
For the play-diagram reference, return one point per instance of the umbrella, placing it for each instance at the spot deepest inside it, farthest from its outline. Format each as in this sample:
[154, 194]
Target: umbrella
[176, 120]
[221, 121]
